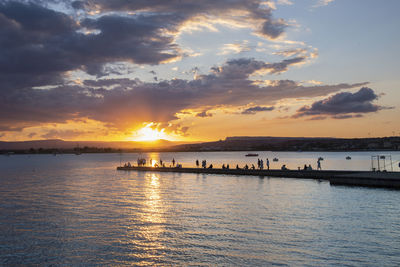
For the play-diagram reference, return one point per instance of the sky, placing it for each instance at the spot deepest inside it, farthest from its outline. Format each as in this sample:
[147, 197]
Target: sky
[190, 70]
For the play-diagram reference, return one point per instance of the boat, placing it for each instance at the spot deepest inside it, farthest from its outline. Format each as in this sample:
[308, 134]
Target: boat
[275, 159]
[348, 158]
[77, 150]
[251, 155]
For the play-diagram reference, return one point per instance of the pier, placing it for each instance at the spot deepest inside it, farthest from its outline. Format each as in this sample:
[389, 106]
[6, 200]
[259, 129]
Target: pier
[351, 178]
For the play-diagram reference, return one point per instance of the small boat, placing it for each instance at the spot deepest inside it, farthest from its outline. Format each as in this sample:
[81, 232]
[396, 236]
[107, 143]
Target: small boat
[275, 159]
[251, 155]
[348, 158]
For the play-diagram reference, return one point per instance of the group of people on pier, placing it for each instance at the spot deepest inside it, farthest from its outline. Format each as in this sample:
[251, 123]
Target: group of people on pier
[260, 164]
[141, 162]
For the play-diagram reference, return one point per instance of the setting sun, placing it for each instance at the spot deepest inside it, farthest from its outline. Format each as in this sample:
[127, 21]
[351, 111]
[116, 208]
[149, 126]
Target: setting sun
[147, 133]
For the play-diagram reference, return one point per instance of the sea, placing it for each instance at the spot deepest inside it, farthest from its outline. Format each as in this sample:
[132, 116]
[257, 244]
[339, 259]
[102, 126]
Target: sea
[78, 210]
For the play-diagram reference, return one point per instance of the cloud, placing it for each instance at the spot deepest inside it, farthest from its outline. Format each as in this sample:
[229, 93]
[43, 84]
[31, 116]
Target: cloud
[285, 2]
[204, 114]
[32, 135]
[292, 52]
[64, 134]
[169, 128]
[343, 105]
[237, 13]
[243, 67]
[235, 48]
[254, 110]
[321, 3]
[124, 103]
[41, 45]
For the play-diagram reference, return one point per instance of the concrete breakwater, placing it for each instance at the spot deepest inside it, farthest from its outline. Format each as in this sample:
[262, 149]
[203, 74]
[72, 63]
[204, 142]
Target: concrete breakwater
[354, 178]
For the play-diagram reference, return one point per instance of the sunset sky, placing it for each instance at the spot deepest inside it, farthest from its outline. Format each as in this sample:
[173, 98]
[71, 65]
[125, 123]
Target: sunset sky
[198, 69]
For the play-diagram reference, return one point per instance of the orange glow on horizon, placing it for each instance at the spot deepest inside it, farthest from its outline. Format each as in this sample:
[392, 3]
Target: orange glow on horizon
[149, 134]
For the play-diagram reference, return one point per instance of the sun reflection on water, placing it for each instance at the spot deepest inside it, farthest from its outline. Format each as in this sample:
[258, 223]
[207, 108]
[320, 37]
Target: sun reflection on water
[151, 219]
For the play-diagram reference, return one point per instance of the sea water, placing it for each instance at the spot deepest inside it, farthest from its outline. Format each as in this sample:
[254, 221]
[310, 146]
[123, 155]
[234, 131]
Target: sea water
[79, 210]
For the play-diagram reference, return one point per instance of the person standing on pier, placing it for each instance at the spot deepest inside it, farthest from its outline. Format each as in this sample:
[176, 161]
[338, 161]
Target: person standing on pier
[319, 164]
[204, 164]
[261, 164]
[267, 162]
[197, 163]
[173, 162]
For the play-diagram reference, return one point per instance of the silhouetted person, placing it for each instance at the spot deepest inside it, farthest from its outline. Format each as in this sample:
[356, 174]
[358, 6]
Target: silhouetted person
[261, 164]
[197, 163]
[211, 166]
[284, 167]
[246, 167]
[204, 164]
[305, 167]
[237, 167]
[173, 162]
[267, 163]
[227, 166]
[223, 166]
[253, 167]
[319, 164]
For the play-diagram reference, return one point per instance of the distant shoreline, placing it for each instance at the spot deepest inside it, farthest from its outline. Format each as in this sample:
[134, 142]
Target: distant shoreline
[117, 151]
[243, 143]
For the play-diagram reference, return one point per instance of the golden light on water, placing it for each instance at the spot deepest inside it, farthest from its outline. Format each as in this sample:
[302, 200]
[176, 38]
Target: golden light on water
[149, 218]
[154, 163]
[153, 210]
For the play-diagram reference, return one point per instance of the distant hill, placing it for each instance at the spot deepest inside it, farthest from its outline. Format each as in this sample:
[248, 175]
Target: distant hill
[235, 143]
[271, 143]
[61, 144]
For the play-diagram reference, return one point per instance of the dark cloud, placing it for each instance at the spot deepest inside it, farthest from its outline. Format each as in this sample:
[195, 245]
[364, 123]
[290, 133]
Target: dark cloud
[39, 45]
[32, 135]
[204, 114]
[343, 105]
[31, 55]
[273, 29]
[244, 11]
[341, 117]
[254, 110]
[243, 67]
[123, 103]
[78, 4]
[64, 134]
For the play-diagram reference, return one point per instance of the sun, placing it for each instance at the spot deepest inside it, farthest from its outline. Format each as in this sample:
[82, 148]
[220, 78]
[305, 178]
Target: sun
[149, 134]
